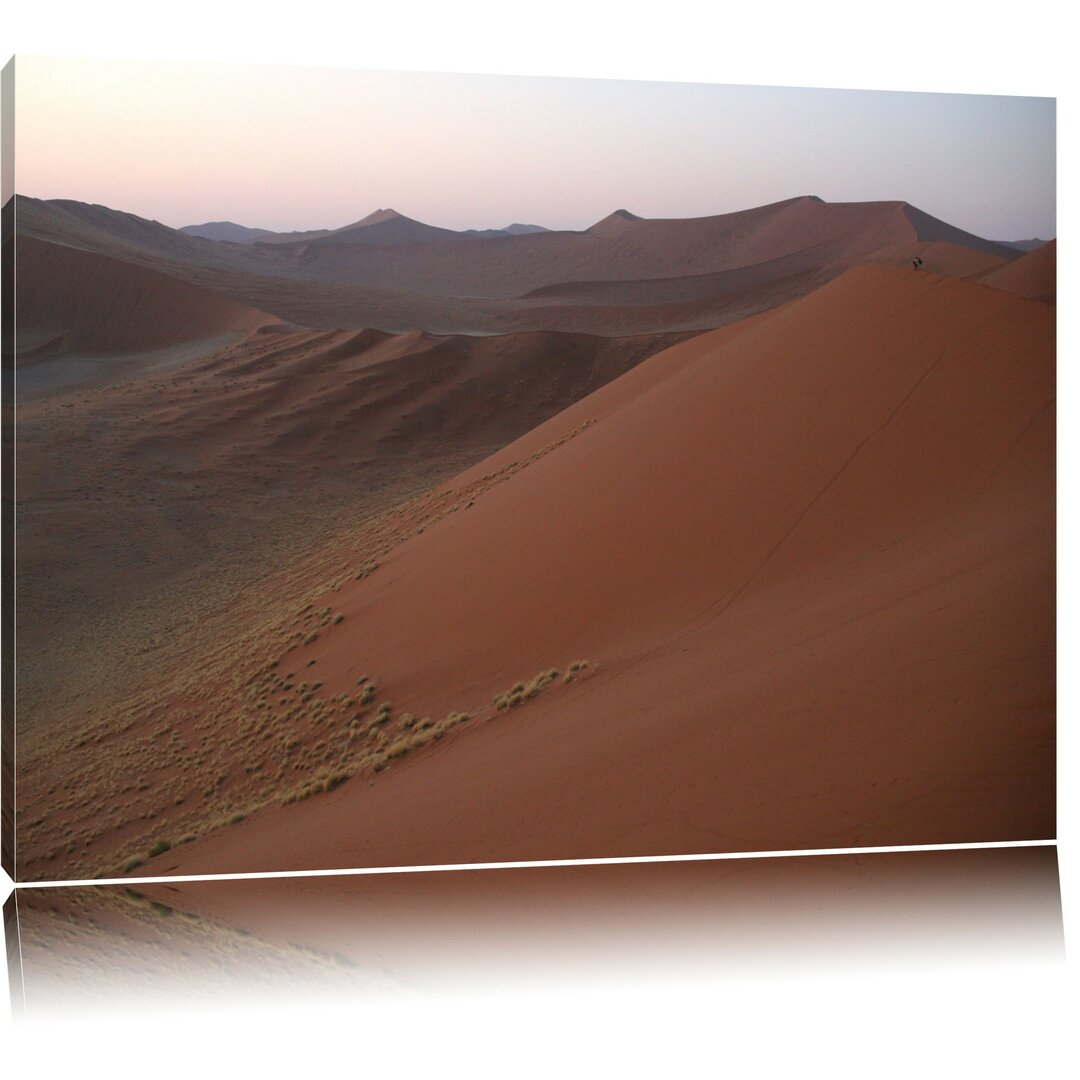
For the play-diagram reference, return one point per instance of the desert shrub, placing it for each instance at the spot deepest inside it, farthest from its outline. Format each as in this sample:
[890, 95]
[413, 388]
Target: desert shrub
[574, 669]
[159, 847]
[338, 617]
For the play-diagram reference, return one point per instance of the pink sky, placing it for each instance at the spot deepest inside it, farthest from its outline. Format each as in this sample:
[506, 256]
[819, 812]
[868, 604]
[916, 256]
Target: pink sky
[299, 148]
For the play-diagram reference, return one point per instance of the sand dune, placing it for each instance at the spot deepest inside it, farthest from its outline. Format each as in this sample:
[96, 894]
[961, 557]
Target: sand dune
[809, 559]
[107, 231]
[398, 274]
[629, 248]
[939, 257]
[181, 490]
[386, 227]
[804, 561]
[72, 301]
[1033, 276]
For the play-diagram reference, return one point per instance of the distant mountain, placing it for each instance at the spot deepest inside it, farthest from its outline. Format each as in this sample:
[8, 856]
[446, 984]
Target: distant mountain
[386, 227]
[232, 233]
[614, 223]
[241, 234]
[516, 229]
[226, 230]
[1024, 245]
[485, 234]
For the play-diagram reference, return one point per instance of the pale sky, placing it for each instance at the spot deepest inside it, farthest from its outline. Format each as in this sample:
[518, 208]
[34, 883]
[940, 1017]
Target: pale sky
[304, 148]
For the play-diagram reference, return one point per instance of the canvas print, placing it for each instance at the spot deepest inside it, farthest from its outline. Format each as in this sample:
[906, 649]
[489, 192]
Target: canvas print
[426, 469]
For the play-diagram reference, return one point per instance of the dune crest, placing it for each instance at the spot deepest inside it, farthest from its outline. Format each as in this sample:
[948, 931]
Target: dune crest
[1034, 275]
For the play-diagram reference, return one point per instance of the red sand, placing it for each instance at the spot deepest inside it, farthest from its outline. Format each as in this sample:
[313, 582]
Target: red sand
[72, 301]
[811, 557]
[1033, 275]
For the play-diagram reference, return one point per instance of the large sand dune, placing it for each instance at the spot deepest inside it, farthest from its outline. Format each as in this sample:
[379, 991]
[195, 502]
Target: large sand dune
[72, 301]
[809, 559]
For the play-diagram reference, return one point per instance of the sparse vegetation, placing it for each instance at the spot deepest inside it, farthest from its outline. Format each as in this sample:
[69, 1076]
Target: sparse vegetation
[225, 733]
[521, 692]
[575, 669]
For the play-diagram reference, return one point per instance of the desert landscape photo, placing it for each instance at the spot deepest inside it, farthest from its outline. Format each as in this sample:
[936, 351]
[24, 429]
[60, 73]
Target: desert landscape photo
[426, 469]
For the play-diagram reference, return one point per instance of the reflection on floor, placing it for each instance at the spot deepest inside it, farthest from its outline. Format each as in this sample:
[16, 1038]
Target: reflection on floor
[77, 950]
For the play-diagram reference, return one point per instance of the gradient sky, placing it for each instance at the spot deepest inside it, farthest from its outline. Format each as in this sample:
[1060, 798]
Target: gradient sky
[304, 148]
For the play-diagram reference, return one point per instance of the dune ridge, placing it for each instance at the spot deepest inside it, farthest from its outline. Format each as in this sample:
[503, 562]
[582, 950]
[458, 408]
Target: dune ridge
[1033, 276]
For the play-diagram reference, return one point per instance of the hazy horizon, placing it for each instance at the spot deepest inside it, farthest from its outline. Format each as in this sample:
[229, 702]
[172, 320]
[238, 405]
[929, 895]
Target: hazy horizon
[479, 228]
[296, 149]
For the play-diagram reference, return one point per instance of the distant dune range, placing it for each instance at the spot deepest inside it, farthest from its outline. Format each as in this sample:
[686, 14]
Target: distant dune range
[803, 563]
[624, 275]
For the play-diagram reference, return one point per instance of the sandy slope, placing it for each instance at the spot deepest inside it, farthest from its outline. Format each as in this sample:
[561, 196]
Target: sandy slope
[72, 301]
[157, 515]
[1034, 275]
[810, 559]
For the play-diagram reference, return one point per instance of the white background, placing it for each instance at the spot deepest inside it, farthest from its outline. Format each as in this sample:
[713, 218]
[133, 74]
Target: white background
[988, 1024]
